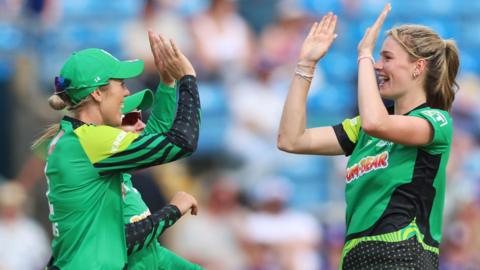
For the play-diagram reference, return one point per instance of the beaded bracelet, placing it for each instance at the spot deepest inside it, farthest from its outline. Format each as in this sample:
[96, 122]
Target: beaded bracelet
[305, 76]
[365, 57]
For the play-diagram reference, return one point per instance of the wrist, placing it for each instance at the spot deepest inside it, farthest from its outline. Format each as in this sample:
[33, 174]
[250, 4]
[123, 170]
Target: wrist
[365, 56]
[306, 63]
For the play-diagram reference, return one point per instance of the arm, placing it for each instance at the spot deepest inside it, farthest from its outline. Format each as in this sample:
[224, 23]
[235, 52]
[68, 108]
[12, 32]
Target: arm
[376, 121]
[114, 150]
[163, 111]
[293, 136]
[118, 151]
[140, 234]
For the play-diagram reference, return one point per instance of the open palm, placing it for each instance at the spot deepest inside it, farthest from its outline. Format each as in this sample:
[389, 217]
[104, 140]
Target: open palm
[319, 39]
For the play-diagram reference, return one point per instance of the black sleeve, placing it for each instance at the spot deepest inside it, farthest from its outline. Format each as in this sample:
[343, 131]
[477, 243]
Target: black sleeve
[150, 228]
[185, 129]
[343, 139]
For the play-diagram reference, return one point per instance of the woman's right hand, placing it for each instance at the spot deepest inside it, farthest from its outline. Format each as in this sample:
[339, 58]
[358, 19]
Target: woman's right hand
[184, 201]
[172, 60]
[319, 39]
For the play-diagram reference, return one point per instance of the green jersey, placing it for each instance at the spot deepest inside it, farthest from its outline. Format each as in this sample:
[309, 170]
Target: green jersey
[163, 114]
[84, 169]
[149, 254]
[395, 192]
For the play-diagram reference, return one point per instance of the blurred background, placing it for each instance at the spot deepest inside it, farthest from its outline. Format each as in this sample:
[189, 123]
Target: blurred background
[260, 209]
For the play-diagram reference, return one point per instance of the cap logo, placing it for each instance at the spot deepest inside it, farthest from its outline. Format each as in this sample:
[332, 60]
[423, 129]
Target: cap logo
[97, 79]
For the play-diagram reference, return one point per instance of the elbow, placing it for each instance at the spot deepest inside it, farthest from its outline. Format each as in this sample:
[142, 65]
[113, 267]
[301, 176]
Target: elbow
[372, 128]
[284, 145]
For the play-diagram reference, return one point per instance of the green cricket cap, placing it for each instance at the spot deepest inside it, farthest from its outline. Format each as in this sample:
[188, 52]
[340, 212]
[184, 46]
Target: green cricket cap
[88, 69]
[141, 100]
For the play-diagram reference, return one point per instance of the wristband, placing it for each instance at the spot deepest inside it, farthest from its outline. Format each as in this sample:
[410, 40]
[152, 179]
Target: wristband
[365, 57]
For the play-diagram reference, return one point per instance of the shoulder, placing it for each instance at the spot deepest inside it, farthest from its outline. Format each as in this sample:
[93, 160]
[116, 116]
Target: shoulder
[102, 141]
[434, 116]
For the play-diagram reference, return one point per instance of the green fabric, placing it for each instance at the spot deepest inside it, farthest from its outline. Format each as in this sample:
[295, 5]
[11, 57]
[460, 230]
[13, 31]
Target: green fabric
[377, 168]
[88, 69]
[153, 255]
[156, 257]
[165, 106]
[406, 233]
[85, 169]
[141, 100]
[163, 110]
[85, 208]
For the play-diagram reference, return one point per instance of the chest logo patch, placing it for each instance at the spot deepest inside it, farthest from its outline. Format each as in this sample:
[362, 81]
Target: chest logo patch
[366, 165]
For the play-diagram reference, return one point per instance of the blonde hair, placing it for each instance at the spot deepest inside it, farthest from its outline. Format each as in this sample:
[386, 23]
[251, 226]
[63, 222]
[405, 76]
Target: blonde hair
[442, 59]
[58, 102]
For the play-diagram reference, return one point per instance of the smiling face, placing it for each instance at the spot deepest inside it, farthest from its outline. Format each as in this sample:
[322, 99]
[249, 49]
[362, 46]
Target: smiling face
[395, 69]
[112, 102]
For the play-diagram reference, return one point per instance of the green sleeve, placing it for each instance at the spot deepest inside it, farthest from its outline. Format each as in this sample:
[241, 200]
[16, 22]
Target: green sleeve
[112, 150]
[163, 111]
[442, 125]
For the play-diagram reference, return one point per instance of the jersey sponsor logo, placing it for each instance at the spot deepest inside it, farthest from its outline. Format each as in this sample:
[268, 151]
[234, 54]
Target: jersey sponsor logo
[366, 165]
[140, 217]
[383, 143]
[118, 141]
[436, 116]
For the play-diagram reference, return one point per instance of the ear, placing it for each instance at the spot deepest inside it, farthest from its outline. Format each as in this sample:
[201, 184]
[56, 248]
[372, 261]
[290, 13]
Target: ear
[420, 66]
[97, 95]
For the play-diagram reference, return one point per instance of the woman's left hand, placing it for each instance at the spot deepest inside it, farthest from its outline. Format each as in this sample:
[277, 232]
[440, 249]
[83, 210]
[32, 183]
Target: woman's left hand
[367, 44]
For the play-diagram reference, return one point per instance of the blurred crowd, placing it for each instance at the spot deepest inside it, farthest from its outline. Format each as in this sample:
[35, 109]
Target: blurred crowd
[260, 209]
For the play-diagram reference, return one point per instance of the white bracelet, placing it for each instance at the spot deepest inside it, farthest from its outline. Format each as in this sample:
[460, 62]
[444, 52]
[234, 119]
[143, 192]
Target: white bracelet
[369, 56]
[305, 76]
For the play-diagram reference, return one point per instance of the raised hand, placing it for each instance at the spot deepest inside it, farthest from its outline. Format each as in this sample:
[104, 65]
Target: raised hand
[155, 47]
[176, 64]
[185, 202]
[367, 44]
[319, 39]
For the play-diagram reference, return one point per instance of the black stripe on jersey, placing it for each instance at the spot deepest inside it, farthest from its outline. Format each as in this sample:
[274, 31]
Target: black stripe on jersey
[158, 161]
[343, 139]
[150, 153]
[136, 233]
[137, 148]
[409, 201]
[180, 154]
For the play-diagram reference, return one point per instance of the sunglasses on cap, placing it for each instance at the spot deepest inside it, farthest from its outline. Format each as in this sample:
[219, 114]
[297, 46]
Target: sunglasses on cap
[61, 84]
[131, 118]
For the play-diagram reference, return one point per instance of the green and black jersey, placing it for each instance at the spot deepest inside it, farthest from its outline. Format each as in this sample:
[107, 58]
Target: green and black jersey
[394, 193]
[84, 169]
[142, 228]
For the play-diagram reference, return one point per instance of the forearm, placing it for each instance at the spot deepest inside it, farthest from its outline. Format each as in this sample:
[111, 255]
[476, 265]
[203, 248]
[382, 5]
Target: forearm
[140, 234]
[185, 129]
[163, 111]
[372, 110]
[293, 121]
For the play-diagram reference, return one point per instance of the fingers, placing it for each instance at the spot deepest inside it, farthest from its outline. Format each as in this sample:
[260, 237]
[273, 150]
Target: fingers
[194, 210]
[322, 23]
[326, 24]
[176, 50]
[381, 18]
[332, 25]
[313, 29]
[165, 48]
[154, 45]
